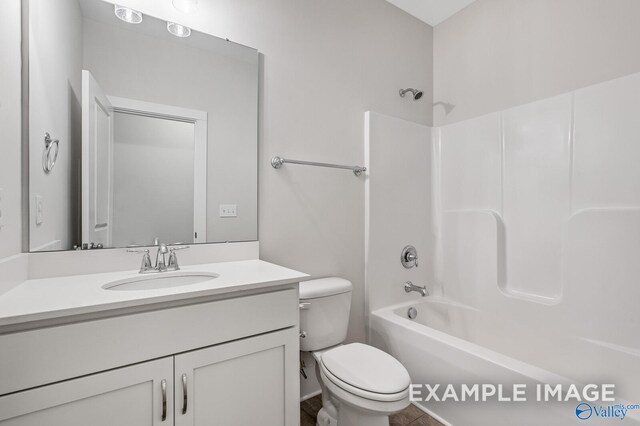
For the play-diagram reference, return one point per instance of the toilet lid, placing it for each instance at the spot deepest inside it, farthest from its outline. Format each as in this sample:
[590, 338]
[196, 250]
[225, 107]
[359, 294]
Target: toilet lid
[367, 368]
[324, 287]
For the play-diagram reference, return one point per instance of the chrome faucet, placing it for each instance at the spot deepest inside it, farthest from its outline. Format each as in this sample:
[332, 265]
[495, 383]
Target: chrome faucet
[161, 258]
[409, 287]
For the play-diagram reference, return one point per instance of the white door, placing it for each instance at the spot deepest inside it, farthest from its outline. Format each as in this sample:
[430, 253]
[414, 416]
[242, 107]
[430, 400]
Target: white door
[248, 382]
[147, 111]
[139, 395]
[97, 163]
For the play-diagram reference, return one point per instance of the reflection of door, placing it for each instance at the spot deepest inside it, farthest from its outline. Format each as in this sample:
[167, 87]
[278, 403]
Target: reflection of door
[97, 163]
[155, 129]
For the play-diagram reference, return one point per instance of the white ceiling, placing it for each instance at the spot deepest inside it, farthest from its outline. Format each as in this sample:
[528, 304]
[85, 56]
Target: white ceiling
[432, 11]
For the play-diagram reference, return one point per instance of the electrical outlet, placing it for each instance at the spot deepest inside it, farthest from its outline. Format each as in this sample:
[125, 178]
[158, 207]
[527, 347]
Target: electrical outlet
[39, 210]
[1, 209]
[228, 210]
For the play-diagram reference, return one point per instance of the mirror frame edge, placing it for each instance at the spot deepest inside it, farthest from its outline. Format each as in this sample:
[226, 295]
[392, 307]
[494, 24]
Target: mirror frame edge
[25, 203]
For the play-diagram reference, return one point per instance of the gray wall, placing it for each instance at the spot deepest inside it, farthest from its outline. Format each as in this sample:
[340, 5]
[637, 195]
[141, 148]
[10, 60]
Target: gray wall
[496, 54]
[55, 64]
[325, 64]
[10, 181]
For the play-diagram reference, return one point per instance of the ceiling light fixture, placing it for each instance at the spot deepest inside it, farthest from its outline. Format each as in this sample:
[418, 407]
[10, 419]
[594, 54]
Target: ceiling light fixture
[178, 30]
[128, 15]
[186, 6]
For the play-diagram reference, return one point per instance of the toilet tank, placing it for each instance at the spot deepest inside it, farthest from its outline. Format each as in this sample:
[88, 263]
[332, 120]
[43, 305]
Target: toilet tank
[324, 312]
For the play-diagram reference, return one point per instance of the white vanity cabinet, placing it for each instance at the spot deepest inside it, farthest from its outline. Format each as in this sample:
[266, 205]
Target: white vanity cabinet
[239, 383]
[224, 362]
[130, 396]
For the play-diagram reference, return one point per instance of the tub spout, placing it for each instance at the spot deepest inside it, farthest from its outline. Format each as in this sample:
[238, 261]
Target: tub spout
[409, 287]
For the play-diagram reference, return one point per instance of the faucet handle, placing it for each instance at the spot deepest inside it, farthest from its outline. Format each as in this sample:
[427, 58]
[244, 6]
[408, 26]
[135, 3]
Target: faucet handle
[146, 259]
[173, 258]
[146, 262]
[132, 250]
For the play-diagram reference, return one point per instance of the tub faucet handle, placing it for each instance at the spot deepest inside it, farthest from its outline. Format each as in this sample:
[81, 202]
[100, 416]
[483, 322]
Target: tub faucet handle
[409, 257]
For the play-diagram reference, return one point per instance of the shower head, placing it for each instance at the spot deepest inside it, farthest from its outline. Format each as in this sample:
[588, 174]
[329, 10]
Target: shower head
[417, 94]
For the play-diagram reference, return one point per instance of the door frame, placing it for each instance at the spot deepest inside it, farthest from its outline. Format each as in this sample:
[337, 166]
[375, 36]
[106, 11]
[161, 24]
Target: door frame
[200, 121]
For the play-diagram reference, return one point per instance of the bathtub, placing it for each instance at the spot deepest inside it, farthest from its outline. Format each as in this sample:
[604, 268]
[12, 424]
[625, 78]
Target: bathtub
[450, 343]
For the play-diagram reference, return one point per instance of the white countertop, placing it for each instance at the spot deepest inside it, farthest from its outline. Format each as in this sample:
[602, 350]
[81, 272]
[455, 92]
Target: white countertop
[60, 297]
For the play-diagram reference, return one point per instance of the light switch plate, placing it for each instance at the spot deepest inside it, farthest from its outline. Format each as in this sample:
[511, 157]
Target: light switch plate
[39, 210]
[228, 210]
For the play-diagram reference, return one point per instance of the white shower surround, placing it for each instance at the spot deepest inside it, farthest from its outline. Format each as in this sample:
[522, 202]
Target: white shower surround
[532, 223]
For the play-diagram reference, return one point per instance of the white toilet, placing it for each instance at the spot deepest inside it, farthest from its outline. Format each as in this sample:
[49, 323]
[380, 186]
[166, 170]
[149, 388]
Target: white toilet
[361, 385]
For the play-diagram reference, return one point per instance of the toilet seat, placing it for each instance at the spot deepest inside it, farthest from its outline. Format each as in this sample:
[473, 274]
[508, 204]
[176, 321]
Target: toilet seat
[366, 372]
[361, 404]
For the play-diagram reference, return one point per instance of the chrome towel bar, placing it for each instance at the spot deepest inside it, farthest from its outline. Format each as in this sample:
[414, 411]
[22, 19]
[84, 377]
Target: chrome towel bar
[278, 162]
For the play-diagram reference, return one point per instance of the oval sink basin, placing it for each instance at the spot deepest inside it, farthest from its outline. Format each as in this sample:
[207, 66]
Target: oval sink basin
[159, 281]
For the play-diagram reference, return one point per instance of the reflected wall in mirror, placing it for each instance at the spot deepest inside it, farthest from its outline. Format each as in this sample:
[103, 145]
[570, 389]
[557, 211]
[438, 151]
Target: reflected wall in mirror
[157, 133]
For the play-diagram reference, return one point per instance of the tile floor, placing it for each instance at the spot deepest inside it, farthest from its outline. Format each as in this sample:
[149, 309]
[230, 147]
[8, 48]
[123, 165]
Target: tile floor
[411, 416]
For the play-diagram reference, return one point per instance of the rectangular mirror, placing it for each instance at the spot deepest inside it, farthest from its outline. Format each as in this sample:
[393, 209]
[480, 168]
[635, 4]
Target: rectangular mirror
[138, 132]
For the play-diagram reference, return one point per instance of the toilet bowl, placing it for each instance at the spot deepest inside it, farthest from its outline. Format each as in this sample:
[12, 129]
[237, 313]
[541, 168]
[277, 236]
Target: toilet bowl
[361, 385]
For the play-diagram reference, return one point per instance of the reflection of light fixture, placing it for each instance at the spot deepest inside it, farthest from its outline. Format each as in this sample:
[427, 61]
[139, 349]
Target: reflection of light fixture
[186, 6]
[178, 30]
[128, 15]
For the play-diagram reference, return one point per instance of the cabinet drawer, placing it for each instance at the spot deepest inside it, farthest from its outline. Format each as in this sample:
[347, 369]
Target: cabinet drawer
[48, 355]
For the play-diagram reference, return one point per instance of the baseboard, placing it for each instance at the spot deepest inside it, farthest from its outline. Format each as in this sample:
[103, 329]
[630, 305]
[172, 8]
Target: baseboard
[432, 414]
[310, 395]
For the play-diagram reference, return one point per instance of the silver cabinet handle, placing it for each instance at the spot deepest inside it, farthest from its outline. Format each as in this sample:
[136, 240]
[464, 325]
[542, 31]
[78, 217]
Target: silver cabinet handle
[163, 386]
[184, 394]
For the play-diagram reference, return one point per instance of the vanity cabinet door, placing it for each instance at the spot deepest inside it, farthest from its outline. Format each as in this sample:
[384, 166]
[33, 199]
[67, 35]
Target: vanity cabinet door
[130, 396]
[253, 381]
